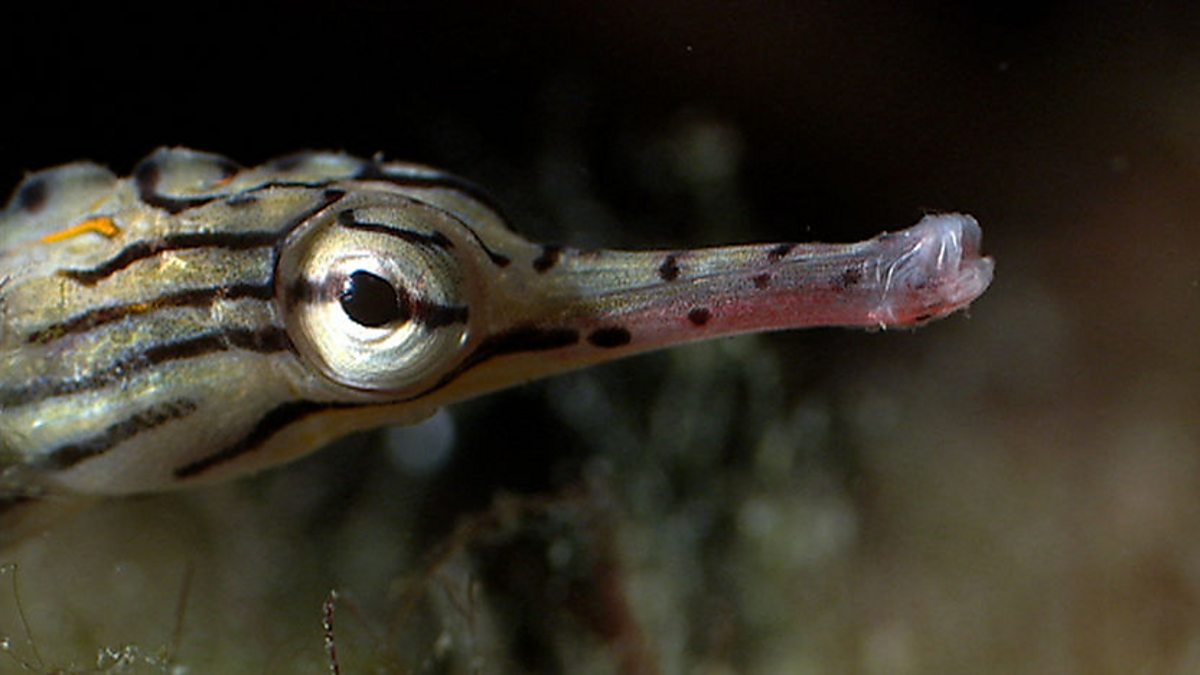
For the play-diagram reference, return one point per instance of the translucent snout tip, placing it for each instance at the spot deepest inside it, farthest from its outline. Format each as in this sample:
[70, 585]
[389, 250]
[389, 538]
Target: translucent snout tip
[931, 270]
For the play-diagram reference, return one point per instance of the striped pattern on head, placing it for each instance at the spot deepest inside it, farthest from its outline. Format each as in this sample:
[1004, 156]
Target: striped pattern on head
[200, 320]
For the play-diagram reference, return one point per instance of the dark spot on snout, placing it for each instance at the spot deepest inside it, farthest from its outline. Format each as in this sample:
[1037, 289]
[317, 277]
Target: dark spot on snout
[776, 254]
[848, 278]
[669, 270]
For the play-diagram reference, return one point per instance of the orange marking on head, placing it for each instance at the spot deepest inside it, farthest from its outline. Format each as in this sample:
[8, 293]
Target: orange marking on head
[102, 225]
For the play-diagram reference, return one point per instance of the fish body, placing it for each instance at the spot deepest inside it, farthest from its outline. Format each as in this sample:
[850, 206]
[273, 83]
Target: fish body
[199, 320]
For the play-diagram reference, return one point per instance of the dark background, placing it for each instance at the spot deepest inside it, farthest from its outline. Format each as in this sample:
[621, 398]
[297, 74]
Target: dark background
[1013, 491]
[855, 111]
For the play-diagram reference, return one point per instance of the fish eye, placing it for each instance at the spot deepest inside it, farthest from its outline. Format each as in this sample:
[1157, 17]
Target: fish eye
[371, 310]
[372, 301]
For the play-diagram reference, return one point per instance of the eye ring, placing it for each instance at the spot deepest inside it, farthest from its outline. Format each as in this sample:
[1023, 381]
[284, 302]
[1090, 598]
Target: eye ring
[372, 313]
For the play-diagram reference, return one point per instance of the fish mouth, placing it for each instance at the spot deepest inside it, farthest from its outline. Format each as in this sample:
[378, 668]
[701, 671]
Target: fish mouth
[930, 270]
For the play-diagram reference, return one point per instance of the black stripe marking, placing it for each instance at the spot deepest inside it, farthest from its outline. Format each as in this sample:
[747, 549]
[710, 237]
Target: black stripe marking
[241, 199]
[430, 179]
[522, 339]
[304, 290]
[66, 456]
[549, 258]
[669, 270]
[434, 315]
[437, 239]
[31, 198]
[233, 241]
[265, 341]
[499, 260]
[374, 171]
[289, 184]
[513, 341]
[609, 337]
[268, 425]
[146, 176]
[328, 198]
[193, 297]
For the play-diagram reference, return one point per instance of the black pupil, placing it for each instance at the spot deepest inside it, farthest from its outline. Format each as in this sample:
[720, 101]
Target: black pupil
[370, 300]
